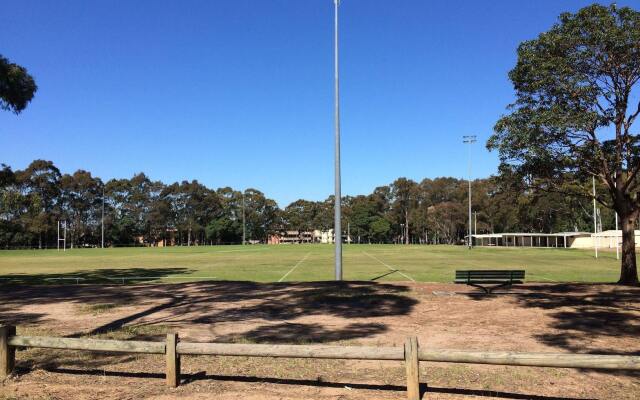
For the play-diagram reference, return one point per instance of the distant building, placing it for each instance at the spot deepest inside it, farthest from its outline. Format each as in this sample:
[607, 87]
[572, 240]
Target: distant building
[323, 236]
[169, 239]
[574, 240]
[273, 239]
[291, 237]
[520, 239]
[299, 237]
[605, 239]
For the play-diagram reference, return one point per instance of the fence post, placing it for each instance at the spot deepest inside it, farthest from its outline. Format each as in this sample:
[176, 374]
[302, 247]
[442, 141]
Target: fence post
[7, 353]
[412, 364]
[173, 361]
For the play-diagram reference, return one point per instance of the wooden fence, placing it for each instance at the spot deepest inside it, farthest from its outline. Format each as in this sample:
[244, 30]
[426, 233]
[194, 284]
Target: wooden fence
[411, 354]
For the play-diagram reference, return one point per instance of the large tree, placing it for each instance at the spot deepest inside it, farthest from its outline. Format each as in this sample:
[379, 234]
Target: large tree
[17, 87]
[573, 114]
[80, 201]
[260, 215]
[404, 194]
[40, 186]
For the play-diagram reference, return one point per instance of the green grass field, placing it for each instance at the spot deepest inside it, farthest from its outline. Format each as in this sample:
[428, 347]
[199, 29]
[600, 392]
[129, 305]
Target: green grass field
[301, 263]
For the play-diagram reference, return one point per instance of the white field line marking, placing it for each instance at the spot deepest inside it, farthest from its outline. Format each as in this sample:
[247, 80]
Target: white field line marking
[390, 267]
[294, 267]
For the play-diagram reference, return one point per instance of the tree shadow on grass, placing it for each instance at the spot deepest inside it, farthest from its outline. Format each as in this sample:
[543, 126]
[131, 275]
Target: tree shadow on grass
[107, 276]
[18, 290]
[46, 359]
[582, 314]
[11, 317]
[282, 302]
[272, 305]
[270, 308]
[289, 333]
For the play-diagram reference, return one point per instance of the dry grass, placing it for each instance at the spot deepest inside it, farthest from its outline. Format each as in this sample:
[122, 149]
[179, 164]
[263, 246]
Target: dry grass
[96, 309]
[551, 318]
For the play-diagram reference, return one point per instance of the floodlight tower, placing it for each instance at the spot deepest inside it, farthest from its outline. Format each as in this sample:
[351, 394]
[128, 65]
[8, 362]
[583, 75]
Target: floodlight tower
[102, 219]
[469, 139]
[595, 223]
[62, 239]
[337, 223]
[244, 222]
[616, 213]
[475, 222]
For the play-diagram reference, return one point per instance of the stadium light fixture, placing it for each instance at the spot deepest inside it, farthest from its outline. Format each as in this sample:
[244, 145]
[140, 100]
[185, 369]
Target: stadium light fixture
[337, 223]
[469, 139]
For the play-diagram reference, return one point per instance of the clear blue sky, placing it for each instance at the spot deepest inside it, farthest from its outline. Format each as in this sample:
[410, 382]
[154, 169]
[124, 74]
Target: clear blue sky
[239, 93]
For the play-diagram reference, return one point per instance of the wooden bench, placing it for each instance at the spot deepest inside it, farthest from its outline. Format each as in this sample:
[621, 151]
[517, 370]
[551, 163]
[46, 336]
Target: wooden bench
[499, 277]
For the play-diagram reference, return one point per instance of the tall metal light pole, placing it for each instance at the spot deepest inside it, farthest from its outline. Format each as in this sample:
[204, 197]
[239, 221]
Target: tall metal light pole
[616, 213]
[617, 242]
[475, 222]
[595, 222]
[469, 139]
[102, 218]
[244, 224]
[337, 224]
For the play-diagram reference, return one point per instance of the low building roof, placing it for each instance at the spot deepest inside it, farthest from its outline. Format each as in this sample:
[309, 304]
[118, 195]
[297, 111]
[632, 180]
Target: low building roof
[525, 234]
[612, 232]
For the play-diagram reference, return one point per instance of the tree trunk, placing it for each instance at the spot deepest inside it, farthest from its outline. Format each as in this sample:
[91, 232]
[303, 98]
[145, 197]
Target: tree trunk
[629, 270]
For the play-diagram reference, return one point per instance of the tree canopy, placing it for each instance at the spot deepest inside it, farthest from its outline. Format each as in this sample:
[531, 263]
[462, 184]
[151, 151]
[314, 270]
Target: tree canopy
[17, 87]
[573, 118]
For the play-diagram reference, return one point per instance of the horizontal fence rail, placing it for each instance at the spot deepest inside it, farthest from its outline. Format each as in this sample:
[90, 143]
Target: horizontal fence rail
[119, 346]
[411, 354]
[293, 351]
[552, 360]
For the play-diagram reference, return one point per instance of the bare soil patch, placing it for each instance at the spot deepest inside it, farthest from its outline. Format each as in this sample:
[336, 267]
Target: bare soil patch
[534, 317]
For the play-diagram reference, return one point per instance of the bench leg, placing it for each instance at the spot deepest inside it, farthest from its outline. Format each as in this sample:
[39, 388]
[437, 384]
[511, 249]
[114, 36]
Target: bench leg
[499, 286]
[489, 290]
[484, 289]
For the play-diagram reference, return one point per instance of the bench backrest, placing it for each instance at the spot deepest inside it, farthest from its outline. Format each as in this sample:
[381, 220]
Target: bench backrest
[496, 274]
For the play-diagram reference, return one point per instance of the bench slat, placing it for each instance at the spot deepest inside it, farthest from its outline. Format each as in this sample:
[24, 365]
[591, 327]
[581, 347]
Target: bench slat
[499, 277]
[489, 276]
[487, 271]
[490, 281]
[481, 272]
[507, 275]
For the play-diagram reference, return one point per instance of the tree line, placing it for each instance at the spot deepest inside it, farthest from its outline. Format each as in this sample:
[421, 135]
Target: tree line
[140, 210]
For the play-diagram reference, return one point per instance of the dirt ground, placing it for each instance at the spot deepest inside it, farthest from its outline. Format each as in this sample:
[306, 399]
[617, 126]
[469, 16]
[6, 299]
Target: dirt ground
[599, 319]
